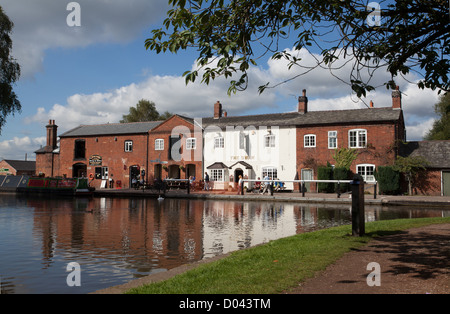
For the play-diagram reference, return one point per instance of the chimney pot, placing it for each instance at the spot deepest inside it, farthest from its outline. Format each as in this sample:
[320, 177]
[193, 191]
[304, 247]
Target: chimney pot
[396, 98]
[371, 104]
[52, 134]
[303, 103]
[217, 110]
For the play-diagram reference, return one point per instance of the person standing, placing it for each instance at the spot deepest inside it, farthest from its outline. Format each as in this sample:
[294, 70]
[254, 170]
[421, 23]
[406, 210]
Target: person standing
[266, 184]
[206, 185]
[240, 185]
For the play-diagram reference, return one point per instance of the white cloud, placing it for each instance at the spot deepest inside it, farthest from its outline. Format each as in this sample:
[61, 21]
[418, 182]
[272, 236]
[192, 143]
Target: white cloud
[18, 147]
[40, 25]
[170, 93]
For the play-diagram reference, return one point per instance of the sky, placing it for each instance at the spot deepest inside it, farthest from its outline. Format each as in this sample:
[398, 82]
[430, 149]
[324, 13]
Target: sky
[93, 73]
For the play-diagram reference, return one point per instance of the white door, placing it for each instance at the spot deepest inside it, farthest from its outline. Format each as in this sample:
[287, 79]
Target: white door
[307, 174]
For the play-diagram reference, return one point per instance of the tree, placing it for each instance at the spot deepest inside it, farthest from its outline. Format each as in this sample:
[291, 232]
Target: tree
[441, 127]
[230, 36]
[9, 71]
[410, 166]
[344, 157]
[144, 111]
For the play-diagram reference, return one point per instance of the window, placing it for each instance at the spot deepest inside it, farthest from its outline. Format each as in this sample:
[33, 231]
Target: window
[366, 171]
[159, 144]
[309, 140]
[191, 143]
[217, 175]
[269, 140]
[270, 171]
[218, 142]
[128, 146]
[175, 148]
[80, 149]
[332, 139]
[357, 138]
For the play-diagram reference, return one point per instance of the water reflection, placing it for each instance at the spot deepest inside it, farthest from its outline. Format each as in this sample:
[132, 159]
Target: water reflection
[118, 239]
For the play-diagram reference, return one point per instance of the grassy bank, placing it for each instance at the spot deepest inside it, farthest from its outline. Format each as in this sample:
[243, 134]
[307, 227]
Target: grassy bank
[280, 264]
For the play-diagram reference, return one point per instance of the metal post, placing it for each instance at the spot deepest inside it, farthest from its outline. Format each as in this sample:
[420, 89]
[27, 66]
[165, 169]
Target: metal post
[375, 190]
[358, 216]
[303, 189]
[339, 189]
[188, 186]
[271, 188]
[241, 187]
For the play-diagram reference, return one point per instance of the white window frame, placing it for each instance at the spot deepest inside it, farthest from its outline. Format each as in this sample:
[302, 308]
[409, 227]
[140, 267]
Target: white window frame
[332, 135]
[217, 175]
[362, 169]
[272, 172]
[357, 142]
[309, 140]
[219, 142]
[269, 140]
[128, 146]
[159, 144]
[191, 143]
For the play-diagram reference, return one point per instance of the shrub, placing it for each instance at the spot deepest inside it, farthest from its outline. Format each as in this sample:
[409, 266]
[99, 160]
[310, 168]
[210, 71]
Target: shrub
[325, 173]
[388, 180]
[342, 173]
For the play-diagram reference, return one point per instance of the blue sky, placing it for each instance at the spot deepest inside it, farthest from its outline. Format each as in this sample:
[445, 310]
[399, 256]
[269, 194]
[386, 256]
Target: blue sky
[93, 73]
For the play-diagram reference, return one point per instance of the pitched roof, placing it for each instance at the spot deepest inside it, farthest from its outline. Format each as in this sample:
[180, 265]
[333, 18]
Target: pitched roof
[22, 165]
[111, 129]
[217, 165]
[435, 152]
[353, 116]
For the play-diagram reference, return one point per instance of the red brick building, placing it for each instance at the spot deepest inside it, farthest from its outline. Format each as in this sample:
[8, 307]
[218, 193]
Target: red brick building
[175, 149]
[116, 151]
[119, 152]
[373, 133]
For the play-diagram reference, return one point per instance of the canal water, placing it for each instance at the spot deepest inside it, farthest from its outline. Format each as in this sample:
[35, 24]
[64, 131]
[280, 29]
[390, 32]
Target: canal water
[115, 240]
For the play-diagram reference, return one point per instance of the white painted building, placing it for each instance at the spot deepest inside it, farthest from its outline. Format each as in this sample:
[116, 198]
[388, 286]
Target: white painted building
[251, 146]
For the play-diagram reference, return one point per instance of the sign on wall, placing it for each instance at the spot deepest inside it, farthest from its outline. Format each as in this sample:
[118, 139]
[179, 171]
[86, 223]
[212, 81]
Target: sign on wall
[95, 160]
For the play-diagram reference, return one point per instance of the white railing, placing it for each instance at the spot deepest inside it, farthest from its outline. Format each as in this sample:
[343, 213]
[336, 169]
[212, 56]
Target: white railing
[302, 182]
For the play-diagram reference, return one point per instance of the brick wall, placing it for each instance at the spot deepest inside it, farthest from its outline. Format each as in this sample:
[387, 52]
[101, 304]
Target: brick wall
[379, 150]
[111, 149]
[190, 160]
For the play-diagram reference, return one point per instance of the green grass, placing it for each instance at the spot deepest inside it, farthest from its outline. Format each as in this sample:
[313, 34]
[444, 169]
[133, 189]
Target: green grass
[278, 265]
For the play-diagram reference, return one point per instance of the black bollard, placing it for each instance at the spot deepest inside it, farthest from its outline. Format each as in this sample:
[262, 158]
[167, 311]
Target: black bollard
[358, 216]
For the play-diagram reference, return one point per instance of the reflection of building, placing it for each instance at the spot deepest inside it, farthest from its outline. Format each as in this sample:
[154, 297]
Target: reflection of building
[153, 235]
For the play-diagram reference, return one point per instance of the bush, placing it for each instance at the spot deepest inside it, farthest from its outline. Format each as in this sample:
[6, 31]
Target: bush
[341, 173]
[325, 173]
[388, 180]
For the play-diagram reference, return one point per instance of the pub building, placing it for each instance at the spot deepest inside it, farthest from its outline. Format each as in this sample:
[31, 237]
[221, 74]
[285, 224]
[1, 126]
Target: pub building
[285, 146]
[116, 154]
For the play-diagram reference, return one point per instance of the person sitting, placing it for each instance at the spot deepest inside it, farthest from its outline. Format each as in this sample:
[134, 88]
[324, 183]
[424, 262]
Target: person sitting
[276, 185]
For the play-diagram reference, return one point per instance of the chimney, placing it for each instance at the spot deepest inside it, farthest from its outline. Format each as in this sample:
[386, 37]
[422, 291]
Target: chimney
[303, 103]
[371, 104]
[217, 110]
[51, 134]
[225, 114]
[396, 99]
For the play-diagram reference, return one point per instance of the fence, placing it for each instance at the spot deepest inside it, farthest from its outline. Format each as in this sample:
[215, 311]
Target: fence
[303, 182]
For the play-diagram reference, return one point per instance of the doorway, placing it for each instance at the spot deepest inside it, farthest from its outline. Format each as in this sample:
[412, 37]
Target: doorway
[307, 174]
[238, 172]
[446, 183]
[134, 174]
[79, 170]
